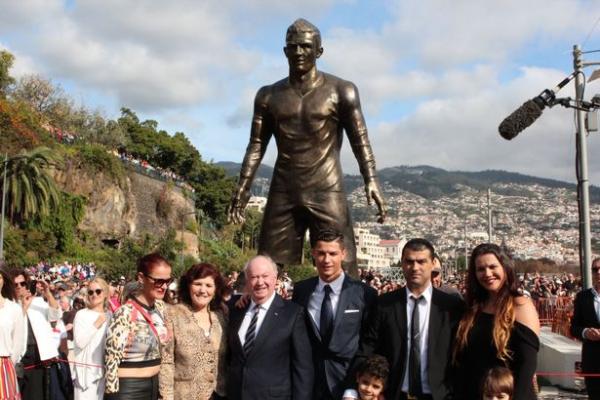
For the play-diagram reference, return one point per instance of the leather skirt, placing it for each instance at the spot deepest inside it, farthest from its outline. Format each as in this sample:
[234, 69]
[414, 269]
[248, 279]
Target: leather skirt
[136, 389]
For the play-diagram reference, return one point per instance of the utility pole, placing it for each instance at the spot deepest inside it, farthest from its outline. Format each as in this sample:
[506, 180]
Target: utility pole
[5, 164]
[490, 231]
[582, 176]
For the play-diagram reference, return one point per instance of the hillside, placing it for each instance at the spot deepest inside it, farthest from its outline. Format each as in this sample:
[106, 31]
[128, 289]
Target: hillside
[535, 217]
[434, 183]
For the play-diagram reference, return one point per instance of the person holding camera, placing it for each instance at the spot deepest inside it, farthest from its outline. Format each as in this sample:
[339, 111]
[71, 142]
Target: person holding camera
[39, 371]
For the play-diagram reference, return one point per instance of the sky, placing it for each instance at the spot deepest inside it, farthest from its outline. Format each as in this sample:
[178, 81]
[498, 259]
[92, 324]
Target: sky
[435, 77]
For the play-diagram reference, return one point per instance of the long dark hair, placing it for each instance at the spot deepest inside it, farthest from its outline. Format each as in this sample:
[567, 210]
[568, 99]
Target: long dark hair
[477, 295]
[8, 288]
[199, 271]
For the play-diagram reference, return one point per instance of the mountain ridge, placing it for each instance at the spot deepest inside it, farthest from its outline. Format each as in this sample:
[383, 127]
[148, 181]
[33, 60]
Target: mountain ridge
[434, 182]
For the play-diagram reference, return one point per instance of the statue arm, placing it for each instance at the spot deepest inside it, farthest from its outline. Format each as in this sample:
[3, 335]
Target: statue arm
[260, 134]
[356, 129]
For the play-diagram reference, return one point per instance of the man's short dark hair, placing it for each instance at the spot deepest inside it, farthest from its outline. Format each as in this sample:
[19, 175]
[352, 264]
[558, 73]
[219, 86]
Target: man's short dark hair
[376, 366]
[419, 244]
[328, 235]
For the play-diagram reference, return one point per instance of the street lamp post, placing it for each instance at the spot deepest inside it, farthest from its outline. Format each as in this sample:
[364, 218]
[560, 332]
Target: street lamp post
[5, 167]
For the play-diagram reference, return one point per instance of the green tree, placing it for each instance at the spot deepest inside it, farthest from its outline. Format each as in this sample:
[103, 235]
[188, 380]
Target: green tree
[30, 191]
[6, 63]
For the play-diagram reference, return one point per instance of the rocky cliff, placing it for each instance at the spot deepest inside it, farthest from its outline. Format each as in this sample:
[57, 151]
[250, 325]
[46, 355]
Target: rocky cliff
[131, 206]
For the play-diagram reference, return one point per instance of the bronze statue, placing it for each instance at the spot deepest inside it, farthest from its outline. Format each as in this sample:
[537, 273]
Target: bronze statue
[307, 113]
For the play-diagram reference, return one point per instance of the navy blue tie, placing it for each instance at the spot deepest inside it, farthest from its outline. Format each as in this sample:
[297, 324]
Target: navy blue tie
[326, 321]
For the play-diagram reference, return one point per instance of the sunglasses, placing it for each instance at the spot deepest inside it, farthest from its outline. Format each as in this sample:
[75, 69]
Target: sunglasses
[158, 283]
[595, 270]
[22, 284]
[97, 291]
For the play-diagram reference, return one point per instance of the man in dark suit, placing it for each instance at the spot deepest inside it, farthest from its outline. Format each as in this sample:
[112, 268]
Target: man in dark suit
[413, 328]
[585, 325]
[338, 308]
[269, 349]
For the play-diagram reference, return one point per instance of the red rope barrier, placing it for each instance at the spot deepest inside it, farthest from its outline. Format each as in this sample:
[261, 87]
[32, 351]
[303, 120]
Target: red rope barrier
[47, 363]
[568, 374]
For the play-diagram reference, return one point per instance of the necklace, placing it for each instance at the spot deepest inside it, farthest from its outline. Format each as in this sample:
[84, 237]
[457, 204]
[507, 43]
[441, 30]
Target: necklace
[205, 332]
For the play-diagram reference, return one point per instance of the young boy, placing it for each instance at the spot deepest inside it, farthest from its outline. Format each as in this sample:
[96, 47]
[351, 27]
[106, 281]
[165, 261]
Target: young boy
[498, 384]
[371, 377]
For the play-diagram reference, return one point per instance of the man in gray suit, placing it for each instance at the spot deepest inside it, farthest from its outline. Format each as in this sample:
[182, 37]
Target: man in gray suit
[338, 308]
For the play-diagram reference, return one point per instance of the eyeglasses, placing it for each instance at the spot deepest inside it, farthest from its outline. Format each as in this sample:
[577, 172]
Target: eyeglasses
[158, 283]
[22, 284]
[97, 291]
[595, 270]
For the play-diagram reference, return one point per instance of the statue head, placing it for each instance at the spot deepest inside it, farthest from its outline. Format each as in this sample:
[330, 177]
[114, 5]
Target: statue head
[302, 27]
[302, 46]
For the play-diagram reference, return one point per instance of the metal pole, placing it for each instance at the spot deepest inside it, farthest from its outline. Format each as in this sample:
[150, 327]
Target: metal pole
[490, 236]
[582, 180]
[5, 163]
[466, 250]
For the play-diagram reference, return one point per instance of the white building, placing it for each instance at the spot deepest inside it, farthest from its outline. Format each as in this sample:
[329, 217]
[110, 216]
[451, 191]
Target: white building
[393, 249]
[371, 254]
[257, 203]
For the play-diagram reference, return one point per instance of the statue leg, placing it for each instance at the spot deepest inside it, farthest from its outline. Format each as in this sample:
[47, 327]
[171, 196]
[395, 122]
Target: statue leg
[330, 210]
[282, 230]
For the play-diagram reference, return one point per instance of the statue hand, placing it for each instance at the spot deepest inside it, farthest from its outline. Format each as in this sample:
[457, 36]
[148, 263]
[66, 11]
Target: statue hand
[373, 192]
[236, 213]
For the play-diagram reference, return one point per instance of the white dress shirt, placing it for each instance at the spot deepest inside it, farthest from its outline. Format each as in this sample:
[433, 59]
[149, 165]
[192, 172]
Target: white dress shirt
[262, 312]
[316, 298]
[424, 310]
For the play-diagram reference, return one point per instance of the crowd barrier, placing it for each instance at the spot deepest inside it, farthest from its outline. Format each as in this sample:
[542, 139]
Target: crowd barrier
[556, 312]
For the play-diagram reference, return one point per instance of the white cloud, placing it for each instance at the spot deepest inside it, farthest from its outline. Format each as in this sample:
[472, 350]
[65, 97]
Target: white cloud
[461, 133]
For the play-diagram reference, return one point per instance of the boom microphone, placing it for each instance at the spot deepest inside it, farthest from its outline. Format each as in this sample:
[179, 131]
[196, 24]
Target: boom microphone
[531, 110]
[521, 118]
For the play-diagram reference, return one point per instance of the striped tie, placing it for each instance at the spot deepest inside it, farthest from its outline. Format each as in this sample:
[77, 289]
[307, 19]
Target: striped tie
[251, 332]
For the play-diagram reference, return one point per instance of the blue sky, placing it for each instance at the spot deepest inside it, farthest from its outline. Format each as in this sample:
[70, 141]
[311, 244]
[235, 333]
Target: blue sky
[436, 77]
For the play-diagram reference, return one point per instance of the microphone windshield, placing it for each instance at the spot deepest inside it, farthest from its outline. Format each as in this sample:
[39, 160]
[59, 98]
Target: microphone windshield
[520, 119]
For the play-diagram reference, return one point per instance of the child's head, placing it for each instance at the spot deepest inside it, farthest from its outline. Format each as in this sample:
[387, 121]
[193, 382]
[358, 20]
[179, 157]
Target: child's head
[371, 377]
[498, 384]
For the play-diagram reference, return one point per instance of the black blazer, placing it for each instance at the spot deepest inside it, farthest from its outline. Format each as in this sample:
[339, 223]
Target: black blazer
[280, 363]
[387, 336]
[584, 316]
[332, 362]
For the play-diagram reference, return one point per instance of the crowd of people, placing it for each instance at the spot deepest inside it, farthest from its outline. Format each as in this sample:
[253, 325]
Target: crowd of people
[149, 169]
[258, 335]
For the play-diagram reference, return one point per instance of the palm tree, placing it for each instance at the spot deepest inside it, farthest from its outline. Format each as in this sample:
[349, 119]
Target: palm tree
[31, 191]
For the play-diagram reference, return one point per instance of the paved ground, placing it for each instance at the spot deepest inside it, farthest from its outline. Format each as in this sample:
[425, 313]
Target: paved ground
[551, 393]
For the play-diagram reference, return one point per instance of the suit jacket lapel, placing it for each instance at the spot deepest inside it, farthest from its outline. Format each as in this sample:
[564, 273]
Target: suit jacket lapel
[304, 299]
[343, 300]
[236, 318]
[400, 312]
[269, 324]
[435, 324]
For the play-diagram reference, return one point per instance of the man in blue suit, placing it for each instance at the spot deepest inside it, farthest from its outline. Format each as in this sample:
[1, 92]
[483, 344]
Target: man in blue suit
[338, 308]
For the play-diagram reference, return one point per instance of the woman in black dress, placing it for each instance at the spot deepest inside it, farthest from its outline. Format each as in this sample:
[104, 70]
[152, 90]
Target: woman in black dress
[500, 327]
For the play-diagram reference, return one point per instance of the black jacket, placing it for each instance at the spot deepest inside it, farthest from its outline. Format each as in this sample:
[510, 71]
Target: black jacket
[387, 336]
